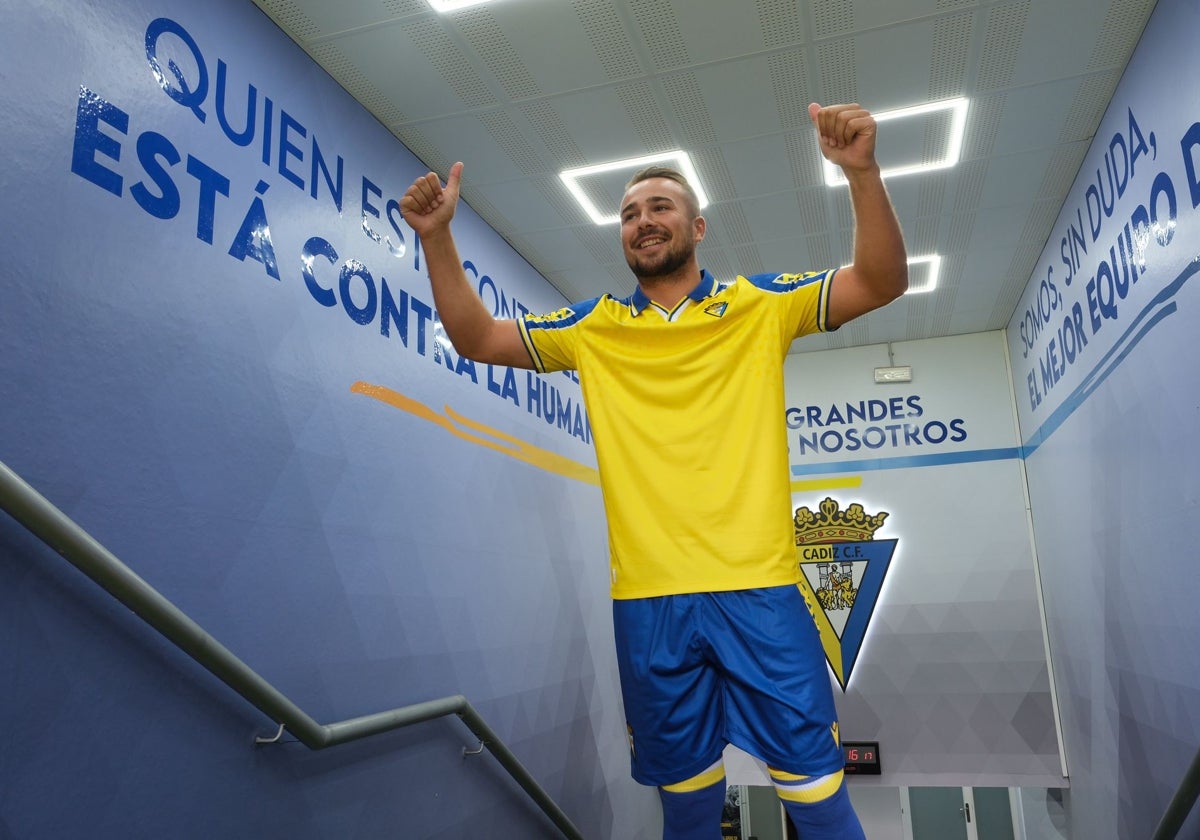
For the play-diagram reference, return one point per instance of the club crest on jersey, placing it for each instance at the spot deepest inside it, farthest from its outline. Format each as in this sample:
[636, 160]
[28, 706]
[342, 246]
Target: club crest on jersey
[717, 309]
[842, 567]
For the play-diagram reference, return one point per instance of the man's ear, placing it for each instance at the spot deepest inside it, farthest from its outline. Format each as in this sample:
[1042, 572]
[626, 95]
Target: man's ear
[698, 227]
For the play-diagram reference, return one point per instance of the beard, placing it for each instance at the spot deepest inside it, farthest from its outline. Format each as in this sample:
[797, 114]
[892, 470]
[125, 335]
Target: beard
[664, 264]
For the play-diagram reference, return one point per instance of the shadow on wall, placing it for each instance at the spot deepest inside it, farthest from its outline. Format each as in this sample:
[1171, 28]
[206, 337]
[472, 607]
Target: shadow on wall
[1056, 809]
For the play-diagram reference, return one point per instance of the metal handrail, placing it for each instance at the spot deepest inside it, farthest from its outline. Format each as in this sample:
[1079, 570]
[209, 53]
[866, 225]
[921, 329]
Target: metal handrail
[1181, 803]
[57, 530]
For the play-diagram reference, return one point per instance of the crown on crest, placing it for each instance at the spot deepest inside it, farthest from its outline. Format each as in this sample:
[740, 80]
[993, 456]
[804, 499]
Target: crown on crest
[831, 524]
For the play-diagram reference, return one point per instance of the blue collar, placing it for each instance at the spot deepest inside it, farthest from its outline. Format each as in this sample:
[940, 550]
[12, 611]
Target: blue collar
[705, 288]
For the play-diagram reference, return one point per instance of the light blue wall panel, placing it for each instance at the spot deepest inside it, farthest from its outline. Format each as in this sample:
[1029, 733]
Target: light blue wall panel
[332, 493]
[1103, 348]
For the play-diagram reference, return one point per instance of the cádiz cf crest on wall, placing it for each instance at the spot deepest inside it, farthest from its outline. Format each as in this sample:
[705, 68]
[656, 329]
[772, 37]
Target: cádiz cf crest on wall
[842, 567]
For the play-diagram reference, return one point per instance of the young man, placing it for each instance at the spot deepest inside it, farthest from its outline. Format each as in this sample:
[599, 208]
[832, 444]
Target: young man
[683, 383]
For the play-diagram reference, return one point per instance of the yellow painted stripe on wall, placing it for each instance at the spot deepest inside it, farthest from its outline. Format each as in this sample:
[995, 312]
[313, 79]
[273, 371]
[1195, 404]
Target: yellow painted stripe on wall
[481, 435]
[807, 485]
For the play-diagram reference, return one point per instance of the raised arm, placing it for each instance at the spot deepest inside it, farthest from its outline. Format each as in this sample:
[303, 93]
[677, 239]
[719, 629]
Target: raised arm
[427, 207]
[879, 273]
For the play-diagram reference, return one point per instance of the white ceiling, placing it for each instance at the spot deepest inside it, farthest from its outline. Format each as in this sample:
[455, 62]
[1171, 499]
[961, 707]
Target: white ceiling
[522, 89]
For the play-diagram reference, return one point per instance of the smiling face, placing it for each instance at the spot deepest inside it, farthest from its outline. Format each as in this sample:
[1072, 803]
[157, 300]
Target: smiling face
[659, 229]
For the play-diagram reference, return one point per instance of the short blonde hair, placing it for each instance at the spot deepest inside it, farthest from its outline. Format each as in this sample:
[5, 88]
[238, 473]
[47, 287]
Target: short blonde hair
[671, 175]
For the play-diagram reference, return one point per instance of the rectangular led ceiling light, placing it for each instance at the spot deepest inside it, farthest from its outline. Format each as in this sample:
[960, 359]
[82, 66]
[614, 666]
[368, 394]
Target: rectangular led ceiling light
[957, 109]
[444, 6]
[574, 179]
[933, 263]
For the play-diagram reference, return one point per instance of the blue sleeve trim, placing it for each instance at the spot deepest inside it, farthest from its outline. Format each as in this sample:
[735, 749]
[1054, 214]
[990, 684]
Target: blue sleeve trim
[538, 364]
[561, 319]
[823, 303]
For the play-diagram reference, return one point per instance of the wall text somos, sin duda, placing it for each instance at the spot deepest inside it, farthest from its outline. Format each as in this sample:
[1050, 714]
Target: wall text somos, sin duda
[283, 146]
[1072, 301]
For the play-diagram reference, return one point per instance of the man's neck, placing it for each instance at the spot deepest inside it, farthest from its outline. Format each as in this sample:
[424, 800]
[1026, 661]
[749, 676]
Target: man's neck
[668, 291]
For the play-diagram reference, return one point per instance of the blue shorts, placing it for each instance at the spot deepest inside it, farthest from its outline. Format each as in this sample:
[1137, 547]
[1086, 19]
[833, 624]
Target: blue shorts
[702, 670]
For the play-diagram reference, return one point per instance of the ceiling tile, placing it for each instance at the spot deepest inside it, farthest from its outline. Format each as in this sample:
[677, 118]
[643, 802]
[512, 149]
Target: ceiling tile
[735, 115]
[724, 30]
[553, 42]
[756, 165]
[421, 67]
[601, 126]
[893, 65]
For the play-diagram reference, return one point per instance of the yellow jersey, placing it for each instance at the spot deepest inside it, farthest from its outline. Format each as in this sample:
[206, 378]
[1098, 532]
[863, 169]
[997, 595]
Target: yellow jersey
[687, 408]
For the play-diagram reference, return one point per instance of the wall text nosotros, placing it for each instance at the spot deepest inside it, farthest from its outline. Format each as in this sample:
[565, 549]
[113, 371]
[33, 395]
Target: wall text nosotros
[817, 434]
[893, 435]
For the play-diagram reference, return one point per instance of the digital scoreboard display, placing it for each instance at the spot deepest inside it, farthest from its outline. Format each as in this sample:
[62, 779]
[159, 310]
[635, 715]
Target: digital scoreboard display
[861, 757]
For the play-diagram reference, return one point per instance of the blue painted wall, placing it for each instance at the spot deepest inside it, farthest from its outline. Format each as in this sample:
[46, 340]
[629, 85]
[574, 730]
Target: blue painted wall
[1103, 349]
[284, 452]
